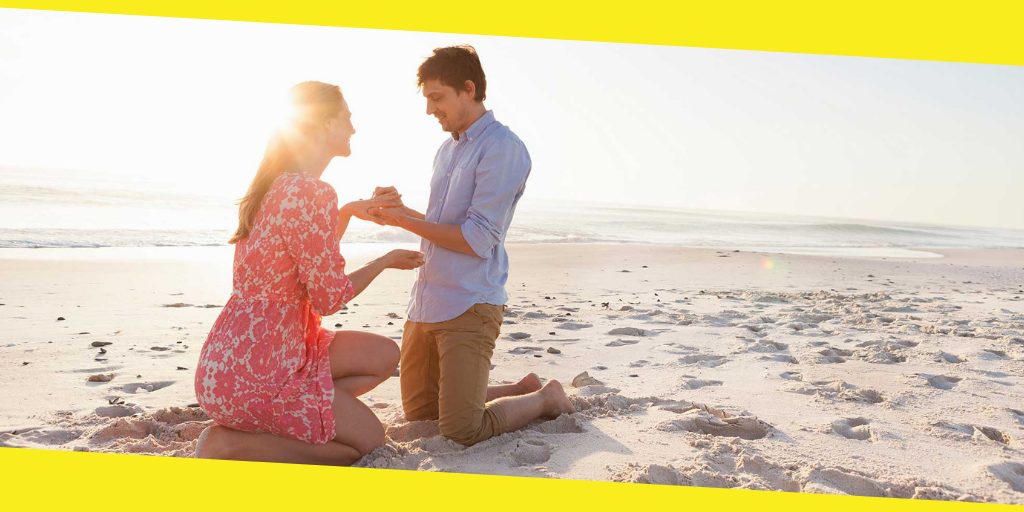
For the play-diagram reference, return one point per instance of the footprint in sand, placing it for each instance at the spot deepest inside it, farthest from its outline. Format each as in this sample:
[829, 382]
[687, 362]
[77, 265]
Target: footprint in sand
[764, 346]
[700, 383]
[780, 358]
[854, 428]
[704, 360]
[528, 452]
[871, 396]
[619, 343]
[965, 432]
[990, 353]
[146, 387]
[1017, 415]
[661, 475]
[1010, 472]
[574, 326]
[630, 331]
[833, 356]
[792, 376]
[46, 436]
[117, 411]
[881, 352]
[563, 424]
[992, 434]
[701, 419]
[943, 382]
[525, 350]
[830, 480]
[949, 358]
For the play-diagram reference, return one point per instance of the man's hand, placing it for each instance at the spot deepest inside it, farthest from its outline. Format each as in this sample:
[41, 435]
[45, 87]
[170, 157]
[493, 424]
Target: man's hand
[363, 209]
[392, 216]
[392, 191]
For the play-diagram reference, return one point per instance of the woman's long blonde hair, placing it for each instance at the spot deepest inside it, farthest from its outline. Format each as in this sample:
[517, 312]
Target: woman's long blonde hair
[312, 104]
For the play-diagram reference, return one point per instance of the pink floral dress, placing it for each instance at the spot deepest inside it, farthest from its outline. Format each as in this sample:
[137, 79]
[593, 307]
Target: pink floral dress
[265, 365]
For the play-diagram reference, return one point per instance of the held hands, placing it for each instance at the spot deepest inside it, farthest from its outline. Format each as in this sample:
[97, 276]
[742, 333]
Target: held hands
[388, 215]
[362, 208]
[402, 259]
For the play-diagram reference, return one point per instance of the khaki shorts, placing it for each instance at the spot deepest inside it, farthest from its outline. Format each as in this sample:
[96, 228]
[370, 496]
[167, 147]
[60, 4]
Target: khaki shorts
[444, 374]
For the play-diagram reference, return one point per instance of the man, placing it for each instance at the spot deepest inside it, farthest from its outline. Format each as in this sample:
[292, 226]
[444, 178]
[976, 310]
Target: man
[458, 300]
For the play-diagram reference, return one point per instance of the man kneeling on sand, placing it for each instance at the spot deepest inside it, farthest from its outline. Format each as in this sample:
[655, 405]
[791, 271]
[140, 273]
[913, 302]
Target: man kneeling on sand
[457, 304]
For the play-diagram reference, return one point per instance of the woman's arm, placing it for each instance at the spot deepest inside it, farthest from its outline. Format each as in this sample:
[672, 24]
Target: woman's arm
[362, 277]
[398, 259]
[343, 220]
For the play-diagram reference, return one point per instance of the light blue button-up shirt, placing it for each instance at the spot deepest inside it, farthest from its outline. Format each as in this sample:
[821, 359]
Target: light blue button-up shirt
[477, 182]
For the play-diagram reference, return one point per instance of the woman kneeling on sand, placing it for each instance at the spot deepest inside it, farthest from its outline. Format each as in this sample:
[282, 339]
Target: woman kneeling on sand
[280, 387]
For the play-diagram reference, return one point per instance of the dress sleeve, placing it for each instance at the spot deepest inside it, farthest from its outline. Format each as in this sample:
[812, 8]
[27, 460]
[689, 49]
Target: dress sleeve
[309, 228]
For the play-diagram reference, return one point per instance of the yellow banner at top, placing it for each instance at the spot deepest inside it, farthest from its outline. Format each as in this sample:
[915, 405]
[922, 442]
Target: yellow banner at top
[980, 31]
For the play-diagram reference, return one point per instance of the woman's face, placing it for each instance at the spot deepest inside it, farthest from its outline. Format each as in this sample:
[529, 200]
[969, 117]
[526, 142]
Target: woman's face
[340, 131]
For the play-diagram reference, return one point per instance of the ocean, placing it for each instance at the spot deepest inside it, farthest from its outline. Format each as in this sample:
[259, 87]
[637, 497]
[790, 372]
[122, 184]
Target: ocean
[62, 209]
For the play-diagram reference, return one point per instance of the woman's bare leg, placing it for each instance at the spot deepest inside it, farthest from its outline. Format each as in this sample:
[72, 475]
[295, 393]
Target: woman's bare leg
[223, 443]
[361, 360]
[358, 433]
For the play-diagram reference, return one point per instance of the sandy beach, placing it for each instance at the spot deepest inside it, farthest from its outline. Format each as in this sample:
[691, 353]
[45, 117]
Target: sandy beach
[895, 377]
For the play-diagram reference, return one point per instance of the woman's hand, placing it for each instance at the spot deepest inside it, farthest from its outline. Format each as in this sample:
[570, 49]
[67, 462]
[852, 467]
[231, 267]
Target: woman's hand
[402, 259]
[361, 209]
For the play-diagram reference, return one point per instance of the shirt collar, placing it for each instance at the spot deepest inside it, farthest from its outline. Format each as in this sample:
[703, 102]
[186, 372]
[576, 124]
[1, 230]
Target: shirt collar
[476, 128]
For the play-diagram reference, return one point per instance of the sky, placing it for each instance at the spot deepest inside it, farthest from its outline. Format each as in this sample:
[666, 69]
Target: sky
[187, 105]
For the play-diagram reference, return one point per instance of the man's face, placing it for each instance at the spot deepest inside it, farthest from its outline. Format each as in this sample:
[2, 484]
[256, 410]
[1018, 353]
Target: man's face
[449, 106]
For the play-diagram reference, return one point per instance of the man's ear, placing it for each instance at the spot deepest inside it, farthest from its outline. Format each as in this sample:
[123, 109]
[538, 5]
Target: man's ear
[470, 88]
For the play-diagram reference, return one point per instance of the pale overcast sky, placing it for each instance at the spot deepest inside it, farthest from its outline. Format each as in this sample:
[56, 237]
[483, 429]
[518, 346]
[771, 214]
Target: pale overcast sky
[188, 103]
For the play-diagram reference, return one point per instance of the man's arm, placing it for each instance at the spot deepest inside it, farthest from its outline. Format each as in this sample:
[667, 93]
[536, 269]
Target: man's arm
[448, 236]
[499, 178]
[414, 214]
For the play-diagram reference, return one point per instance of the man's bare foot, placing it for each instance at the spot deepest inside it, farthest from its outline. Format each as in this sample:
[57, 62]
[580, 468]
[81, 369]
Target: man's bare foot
[555, 401]
[529, 384]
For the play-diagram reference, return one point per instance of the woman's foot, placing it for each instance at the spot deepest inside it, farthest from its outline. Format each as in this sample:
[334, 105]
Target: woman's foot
[555, 401]
[213, 443]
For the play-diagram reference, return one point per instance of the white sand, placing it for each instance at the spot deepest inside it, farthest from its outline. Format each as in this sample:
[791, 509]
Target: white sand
[809, 376]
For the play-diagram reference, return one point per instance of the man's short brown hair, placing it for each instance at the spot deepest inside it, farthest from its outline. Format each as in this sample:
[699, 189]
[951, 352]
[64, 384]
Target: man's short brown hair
[452, 66]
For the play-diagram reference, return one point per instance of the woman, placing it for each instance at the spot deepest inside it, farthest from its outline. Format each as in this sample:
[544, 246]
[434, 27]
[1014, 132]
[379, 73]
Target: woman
[280, 387]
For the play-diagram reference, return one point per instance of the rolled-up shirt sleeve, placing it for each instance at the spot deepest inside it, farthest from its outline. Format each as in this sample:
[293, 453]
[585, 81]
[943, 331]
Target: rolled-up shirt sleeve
[500, 179]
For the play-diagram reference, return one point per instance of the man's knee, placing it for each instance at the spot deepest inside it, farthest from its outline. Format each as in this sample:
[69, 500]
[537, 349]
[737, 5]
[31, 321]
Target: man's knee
[467, 431]
[420, 412]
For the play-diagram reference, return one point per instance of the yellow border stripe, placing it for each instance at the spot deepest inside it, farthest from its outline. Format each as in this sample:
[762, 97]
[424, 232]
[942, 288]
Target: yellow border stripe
[157, 483]
[983, 31]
